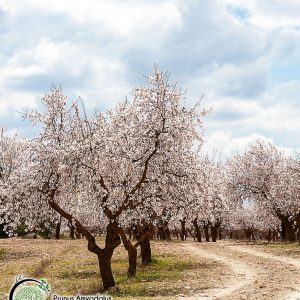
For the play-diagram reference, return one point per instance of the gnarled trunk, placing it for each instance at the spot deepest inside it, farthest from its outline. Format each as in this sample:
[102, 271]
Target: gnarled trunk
[132, 253]
[107, 277]
[144, 233]
[146, 251]
[132, 259]
[287, 229]
[112, 241]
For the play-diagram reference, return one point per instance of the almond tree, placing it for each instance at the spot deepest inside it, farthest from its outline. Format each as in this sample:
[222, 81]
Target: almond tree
[208, 204]
[15, 160]
[266, 175]
[248, 217]
[93, 170]
[11, 150]
[216, 205]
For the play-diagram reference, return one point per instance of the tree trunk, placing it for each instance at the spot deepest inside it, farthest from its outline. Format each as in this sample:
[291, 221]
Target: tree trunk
[198, 231]
[146, 251]
[167, 231]
[57, 229]
[298, 228]
[72, 231]
[132, 253]
[107, 277]
[283, 232]
[248, 233]
[183, 230]
[214, 233]
[269, 235]
[161, 233]
[206, 232]
[132, 259]
[287, 229]
[214, 229]
[112, 241]
[145, 231]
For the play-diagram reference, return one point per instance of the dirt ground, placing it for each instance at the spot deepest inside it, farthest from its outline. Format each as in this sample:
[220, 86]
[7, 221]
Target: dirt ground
[256, 271]
[222, 270]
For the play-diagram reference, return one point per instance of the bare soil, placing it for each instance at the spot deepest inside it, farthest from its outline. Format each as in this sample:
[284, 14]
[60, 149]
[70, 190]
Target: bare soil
[256, 271]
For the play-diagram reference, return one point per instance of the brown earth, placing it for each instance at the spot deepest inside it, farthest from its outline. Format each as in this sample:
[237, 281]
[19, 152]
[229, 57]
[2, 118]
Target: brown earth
[256, 271]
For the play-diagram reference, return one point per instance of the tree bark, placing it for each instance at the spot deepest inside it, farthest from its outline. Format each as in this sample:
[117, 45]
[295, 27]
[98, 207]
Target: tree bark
[146, 251]
[104, 258]
[287, 229]
[132, 259]
[214, 228]
[298, 228]
[167, 231]
[248, 233]
[144, 232]
[206, 232]
[198, 231]
[72, 230]
[161, 234]
[57, 229]
[112, 241]
[132, 254]
[183, 234]
[214, 233]
[77, 235]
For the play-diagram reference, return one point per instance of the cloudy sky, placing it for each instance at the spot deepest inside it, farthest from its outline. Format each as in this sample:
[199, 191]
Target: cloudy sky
[244, 56]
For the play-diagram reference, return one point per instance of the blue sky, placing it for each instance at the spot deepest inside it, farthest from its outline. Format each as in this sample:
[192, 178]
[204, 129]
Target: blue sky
[244, 56]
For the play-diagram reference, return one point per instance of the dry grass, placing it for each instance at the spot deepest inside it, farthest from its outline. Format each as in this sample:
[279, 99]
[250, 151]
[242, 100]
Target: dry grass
[281, 248]
[40, 269]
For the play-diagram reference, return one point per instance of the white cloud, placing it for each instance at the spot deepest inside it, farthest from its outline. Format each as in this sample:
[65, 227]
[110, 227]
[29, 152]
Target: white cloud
[269, 14]
[225, 145]
[95, 49]
[129, 20]
[14, 102]
[244, 81]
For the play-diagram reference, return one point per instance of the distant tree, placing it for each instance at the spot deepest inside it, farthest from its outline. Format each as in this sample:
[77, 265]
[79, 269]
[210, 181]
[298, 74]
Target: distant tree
[266, 175]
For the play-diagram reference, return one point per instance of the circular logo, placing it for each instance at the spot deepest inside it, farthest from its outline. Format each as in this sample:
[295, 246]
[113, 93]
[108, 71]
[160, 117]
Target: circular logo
[29, 293]
[24, 290]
